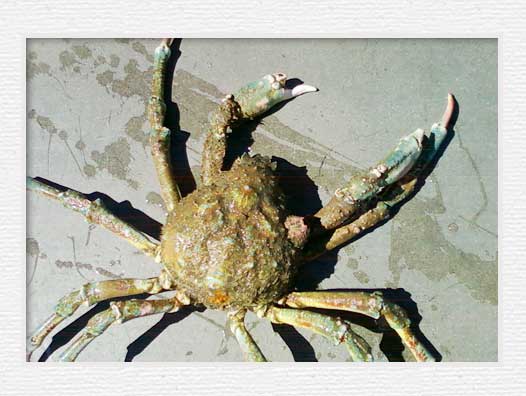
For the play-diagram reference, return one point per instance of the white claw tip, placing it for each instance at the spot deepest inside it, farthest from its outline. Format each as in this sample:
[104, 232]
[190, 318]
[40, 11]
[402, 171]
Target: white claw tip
[302, 89]
[298, 90]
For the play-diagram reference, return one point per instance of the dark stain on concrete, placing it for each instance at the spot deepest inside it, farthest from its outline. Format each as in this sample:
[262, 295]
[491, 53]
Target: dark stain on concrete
[114, 60]
[116, 159]
[82, 51]
[67, 59]
[46, 124]
[152, 198]
[89, 170]
[80, 145]
[34, 68]
[105, 78]
[33, 250]
[89, 267]
[135, 128]
[32, 247]
[361, 276]
[434, 255]
[141, 49]
[101, 60]
[135, 83]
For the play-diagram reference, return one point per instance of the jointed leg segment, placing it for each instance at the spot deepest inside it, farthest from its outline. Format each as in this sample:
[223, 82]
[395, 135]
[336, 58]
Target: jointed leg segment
[366, 303]
[214, 150]
[120, 312]
[159, 134]
[95, 212]
[92, 293]
[334, 329]
[248, 346]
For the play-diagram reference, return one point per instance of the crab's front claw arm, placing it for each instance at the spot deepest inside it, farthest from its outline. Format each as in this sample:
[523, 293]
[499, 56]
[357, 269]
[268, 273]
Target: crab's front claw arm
[367, 185]
[391, 180]
[249, 102]
[437, 136]
[260, 96]
[431, 146]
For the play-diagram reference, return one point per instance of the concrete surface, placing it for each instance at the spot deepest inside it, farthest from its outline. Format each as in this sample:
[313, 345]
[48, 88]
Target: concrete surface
[86, 129]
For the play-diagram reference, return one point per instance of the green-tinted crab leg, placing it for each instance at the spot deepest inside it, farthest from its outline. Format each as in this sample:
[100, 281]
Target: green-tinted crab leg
[223, 117]
[248, 346]
[120, 311]
[405, 162]
[371, 304]
[334, 329]
[92, 293]
[95, 212]
[367, 185]
[159, 134]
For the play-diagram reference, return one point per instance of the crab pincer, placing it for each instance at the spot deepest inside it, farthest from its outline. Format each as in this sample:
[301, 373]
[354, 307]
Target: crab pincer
[402, 164]
[258, 97]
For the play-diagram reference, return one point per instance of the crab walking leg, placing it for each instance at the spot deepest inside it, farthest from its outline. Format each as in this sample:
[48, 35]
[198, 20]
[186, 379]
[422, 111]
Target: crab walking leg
[370, 304]
[332, 328]
[410, 157]
[120, 311]
[159, 134]
[248, 346]
[92, 293]
[95, 212]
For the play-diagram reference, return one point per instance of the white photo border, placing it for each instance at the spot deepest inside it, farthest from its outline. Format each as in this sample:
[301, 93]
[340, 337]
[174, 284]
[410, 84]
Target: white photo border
[99, 18]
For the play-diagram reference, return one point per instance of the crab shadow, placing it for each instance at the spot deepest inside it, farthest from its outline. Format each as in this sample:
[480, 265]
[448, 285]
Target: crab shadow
[302, 198]
[178, 150]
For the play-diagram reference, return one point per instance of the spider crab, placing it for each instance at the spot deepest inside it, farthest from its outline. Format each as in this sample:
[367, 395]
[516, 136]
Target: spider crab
[231, 245]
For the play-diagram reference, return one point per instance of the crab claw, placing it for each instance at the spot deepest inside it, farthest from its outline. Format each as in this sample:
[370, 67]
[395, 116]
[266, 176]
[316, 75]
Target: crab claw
[295, 88]
[260, 96]
[399, 161]
[366, 185]
[438, 134]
